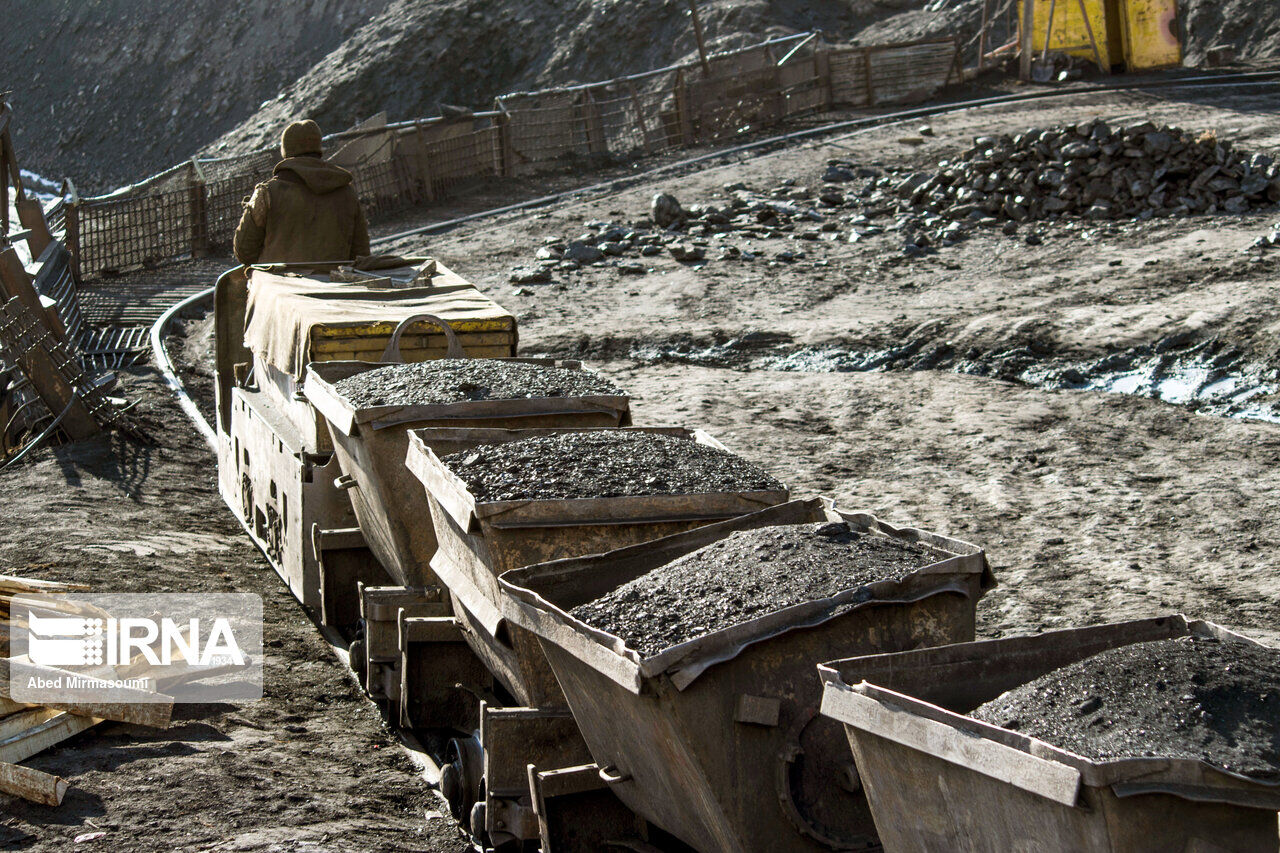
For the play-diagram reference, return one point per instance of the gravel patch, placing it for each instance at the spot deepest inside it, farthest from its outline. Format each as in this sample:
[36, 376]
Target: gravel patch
[460, 380]
[603, 464]
[746, 575]
[1186, 698]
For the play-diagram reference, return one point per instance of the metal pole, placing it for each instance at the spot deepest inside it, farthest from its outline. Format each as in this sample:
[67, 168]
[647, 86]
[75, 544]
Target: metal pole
[982, 35]
[1088, 27]
[1026, 34]
[697, 34]
[1048, 30]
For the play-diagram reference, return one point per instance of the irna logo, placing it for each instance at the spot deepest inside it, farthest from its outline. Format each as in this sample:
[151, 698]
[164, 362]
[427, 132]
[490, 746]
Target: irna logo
[73, 641]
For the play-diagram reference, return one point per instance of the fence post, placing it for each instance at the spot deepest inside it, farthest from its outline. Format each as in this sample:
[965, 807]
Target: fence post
[424, 164]
[682, 110]
[505, 147]
[866, 73]
[822, 68]
[957, 65]
[199, 202]
[592, 124]
[640, 122]
[71, 224]
[775, 73]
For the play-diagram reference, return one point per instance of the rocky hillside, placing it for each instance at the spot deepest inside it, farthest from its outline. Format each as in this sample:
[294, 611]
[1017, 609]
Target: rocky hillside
[420, 53]
[109, 91]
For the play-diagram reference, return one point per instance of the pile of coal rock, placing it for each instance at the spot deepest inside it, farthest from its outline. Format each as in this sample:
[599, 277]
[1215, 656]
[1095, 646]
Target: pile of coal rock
[1193, 698]
[603, 464]
[1097, 172]
[1089, 172]
[699, 233]
[747, 575]
[459, 380]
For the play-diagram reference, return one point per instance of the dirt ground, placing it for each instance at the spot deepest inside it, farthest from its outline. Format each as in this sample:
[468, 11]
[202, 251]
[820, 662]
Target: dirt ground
[1093, 507]
[310, 766]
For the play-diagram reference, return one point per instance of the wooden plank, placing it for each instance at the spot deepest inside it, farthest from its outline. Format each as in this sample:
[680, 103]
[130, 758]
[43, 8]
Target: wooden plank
[15, 283]
[127, 705]
[29, 718]
[15, 584]
[377, 345]
[31, 215]
[51, 732]
[31, 784]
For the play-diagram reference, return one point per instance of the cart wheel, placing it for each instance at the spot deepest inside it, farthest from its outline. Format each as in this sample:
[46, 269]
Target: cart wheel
[476, 820]
[461, 777]
[356, 657]
[826, 813]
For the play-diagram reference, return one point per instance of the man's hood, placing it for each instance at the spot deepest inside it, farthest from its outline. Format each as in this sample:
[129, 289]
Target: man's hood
[320, 176]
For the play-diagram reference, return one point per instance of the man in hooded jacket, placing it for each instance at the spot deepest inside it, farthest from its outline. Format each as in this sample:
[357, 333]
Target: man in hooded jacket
[307, 212]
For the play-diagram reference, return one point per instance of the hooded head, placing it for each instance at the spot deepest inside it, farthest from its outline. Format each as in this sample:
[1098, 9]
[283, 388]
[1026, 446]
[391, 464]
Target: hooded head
[299, 138]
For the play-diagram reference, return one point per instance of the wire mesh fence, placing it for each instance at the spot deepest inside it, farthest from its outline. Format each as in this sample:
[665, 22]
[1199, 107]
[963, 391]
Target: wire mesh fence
[195, 207]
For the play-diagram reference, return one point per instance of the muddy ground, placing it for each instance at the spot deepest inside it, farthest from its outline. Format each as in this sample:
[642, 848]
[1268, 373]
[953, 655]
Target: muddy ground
[1093, 506]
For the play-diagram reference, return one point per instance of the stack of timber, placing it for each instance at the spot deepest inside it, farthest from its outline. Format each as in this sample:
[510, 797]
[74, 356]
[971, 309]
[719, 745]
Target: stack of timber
[29, 729]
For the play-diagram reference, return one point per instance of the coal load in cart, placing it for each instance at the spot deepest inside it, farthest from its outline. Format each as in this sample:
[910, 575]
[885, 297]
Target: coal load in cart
[1164, 784]
[711, 732]
[502, 499]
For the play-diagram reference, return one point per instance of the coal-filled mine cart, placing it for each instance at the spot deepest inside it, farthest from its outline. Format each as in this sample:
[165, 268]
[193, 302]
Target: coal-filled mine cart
[479, 538]
[938, 779]
[371, 439]
[370, 407]
[711, 731]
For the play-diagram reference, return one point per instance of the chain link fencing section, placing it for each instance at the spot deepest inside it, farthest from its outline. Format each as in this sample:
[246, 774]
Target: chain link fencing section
[193, 208]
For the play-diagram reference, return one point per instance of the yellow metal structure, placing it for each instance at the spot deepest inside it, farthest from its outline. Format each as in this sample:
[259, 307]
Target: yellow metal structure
[1140, 34]
[1070, 33]
[1151, 37]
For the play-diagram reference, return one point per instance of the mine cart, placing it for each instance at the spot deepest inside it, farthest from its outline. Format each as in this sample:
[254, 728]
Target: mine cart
[371, 444]
[718, 740]
[938, 780]
[480, 540]
[275, 459]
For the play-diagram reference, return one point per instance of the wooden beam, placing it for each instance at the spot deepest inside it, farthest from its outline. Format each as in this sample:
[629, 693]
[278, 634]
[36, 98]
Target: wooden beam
[127, 705]
[16, 724]
[43, 359]
[31, 784]
[12, 584]
[36, 740]
[697, 34]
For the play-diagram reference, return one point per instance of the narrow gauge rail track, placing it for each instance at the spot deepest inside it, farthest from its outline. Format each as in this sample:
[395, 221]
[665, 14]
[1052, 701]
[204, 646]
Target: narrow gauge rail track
[824, 134]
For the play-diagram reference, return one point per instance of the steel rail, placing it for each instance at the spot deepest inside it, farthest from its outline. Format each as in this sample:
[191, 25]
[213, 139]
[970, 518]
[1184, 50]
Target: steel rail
[165, 364]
